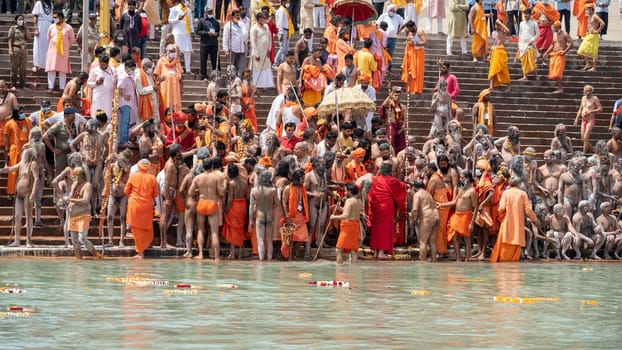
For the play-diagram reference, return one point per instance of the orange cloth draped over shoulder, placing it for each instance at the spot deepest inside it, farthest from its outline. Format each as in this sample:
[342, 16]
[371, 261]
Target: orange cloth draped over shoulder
[145, 103]
[330, 33]
[498, 72]
[496, 199]
[343, 48]
[557, 65]
[248, 99]
[459, 224]
[349, 231]
[479, 46]
[314, 84]
[441, 195]
[578, 10]
[502, 14]
[483, 189]
[234, 228]
[413, 67]
[515, 204]
[141, 189]
[298, 218]
[18, 133]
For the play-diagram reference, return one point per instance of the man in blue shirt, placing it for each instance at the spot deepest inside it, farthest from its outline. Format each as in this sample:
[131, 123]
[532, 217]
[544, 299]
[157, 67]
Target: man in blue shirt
[616, 116]
[563, 7]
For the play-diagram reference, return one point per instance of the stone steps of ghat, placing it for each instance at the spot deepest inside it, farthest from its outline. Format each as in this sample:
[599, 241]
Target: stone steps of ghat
[530, 106]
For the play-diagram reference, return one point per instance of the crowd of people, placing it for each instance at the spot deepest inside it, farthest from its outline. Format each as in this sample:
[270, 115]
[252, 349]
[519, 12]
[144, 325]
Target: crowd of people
[213, 171]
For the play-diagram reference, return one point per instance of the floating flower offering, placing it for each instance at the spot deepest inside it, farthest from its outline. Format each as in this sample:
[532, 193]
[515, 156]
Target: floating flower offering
[525, 300]
[589, 302]
[138, 281]
[420, 292]
[227, 286]
[344, 284]
[587, 269]
[6, 290]
[181, 291]
[304, 275]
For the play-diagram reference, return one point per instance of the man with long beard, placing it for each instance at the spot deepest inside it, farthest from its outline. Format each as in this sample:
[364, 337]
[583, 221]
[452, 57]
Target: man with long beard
[561, 142]
[387, 198]
[510, 145]
[484, 190]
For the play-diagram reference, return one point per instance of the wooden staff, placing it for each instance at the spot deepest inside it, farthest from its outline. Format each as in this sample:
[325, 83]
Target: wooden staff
[112, 150]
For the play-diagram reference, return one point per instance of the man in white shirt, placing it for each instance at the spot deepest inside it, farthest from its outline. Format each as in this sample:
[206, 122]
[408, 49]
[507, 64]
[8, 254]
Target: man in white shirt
[283, 21]
[527, 36]
[395, 23]
[234, 41]
[364, 86]
[182, 27]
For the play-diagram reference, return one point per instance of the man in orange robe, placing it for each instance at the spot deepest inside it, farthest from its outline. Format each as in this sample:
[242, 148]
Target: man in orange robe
[477, 21]
[330, 33]
[312, 79]
[169, 69]
[296, 207]
[413, 67]
[141, 189]
[485, 192]
[234, 228]
[578, 10]
[16, 133]
[355, 168]
[437, 187]
[515, 205]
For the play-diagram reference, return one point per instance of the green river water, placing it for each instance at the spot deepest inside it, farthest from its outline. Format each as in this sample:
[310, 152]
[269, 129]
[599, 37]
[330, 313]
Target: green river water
[453, 306]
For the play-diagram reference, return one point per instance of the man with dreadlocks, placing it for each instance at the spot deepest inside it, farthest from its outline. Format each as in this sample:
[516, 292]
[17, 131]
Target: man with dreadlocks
[510, 144]
[263, 202]
[561, 141]
[120, 172]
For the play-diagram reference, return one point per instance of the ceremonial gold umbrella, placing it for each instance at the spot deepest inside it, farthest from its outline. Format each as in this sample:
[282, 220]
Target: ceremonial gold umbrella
[350, 102]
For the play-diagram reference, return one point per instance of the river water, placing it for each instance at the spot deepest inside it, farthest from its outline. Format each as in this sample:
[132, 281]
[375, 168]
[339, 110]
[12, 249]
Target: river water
[79, 304]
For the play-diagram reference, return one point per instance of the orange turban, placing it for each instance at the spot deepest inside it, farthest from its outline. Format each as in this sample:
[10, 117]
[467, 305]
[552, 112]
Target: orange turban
[557, 24]
[200, 107]
[365, 78]
[589, 5]
[483, 164]
[310, 112]
[320, 121]
[144, 165]
[180, 117]
[358, 153]
[484, 93]
[266, 161]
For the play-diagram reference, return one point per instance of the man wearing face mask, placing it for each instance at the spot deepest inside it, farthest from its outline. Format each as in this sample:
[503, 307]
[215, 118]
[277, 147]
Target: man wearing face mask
[18, 36]
[182, 27]
[62, 39]
[147, 89]
[562, 43]
[102, 81]
[127, 101]
[169, 72]
[37, 118]
[208, 29]
[16, 134]
[395, 23]
[234, 40]
[131, 24]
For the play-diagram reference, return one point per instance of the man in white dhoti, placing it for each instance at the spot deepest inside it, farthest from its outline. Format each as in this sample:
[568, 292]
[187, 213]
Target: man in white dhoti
[102, 80]
[182, 27]
[42, 15]
[260, 53]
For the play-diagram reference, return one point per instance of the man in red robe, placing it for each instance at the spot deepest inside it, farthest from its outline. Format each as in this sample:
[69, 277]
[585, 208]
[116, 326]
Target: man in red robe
[386, 197]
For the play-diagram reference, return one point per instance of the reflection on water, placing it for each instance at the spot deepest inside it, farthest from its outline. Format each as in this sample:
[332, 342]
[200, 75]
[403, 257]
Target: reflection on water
[78, 307]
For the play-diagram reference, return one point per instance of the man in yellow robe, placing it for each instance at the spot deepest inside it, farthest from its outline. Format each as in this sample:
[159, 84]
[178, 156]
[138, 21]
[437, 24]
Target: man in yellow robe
[498, 74]
[477, 22]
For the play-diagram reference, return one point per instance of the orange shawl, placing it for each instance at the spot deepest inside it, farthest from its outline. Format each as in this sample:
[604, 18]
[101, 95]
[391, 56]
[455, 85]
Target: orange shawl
[293, 202]
[145, 104]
